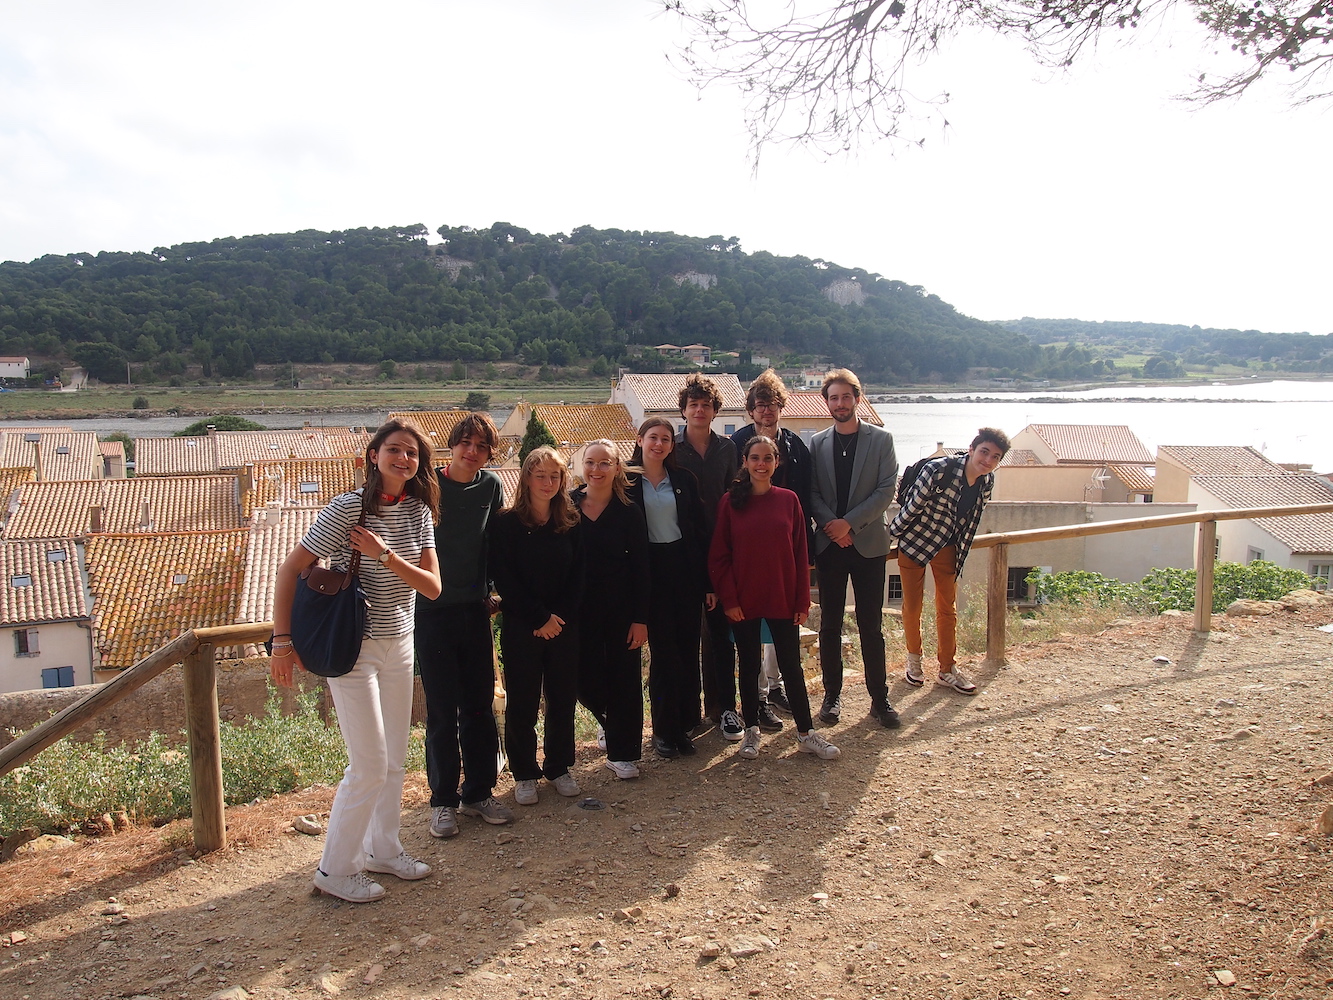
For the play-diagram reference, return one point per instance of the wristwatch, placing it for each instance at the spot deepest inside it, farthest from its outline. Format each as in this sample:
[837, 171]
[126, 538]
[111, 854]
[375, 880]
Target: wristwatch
[385, 556]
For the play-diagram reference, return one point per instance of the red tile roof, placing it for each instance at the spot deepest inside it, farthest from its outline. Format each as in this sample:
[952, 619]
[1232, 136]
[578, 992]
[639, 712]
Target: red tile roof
[1301, 532]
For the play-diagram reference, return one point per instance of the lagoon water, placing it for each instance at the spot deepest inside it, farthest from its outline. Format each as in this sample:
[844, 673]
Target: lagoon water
[1287, 421]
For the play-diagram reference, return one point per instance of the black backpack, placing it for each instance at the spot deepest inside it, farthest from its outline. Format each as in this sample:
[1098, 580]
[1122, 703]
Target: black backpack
[911, 474]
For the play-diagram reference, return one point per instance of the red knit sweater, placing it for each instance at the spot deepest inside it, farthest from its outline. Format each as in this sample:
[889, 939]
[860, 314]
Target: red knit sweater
[758, 557]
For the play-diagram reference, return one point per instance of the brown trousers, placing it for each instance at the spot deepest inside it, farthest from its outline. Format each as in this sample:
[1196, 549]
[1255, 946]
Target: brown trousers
[913, 576]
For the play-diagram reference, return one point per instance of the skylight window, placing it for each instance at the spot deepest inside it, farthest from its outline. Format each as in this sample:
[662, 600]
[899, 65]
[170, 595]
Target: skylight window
[21, 580]
[56, 555]
[310, 487]
[180, 578]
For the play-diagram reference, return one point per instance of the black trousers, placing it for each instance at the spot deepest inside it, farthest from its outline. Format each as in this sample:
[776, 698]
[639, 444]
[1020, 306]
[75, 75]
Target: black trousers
[787, 644]
[719, 663]
[837, 565]
[454, 651]
[611, 680]
[673, 641]
[537, 669]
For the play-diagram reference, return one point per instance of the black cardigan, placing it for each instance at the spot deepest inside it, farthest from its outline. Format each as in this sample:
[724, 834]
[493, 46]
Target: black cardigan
[615, 545]
[689, 518]
[538, 571]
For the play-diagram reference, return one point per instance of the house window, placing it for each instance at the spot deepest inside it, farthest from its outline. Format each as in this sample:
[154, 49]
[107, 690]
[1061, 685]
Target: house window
[21, 580]
[1252, 554]
[894, 591]
[1016, 588]
[310, 487]
[57, 677]
[56, 555]
[1323, 575]
[728, 429]
[180, 578]
[1147, 498]
[25, 642]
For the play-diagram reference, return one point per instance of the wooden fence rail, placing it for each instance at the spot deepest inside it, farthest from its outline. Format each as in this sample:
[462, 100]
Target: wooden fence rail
[997, 578]
[195, 649]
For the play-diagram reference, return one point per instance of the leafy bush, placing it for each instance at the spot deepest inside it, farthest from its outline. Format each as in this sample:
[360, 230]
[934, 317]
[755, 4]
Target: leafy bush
[71, 782]
[224, 422]
[140, 402]
[1169, 588]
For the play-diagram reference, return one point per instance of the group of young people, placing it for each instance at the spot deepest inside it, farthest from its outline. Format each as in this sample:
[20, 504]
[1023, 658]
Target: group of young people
[693, 522]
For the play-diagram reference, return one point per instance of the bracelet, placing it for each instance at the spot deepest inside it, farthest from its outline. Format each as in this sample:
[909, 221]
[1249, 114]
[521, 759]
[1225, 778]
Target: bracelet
[282, 645]
[282, 635]
[283, 653]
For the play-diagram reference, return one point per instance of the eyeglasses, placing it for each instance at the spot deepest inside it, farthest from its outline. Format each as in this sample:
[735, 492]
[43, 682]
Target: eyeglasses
[602, 466]
[768, 406]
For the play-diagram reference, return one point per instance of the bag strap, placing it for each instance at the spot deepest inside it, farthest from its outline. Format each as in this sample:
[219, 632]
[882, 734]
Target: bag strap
[354, 564]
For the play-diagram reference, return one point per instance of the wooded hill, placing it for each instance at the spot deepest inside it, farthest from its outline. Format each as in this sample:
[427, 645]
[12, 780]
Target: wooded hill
[495, 294]
[593, 298]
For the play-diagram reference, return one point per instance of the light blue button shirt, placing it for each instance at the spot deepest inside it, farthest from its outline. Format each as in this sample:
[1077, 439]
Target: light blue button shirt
[659, 510]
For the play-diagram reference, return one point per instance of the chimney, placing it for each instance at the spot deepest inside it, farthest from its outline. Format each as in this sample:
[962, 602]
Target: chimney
[359, 474]
[272, 513]
[146, 515]
[246, 478]
[95, 520]
[212, 430]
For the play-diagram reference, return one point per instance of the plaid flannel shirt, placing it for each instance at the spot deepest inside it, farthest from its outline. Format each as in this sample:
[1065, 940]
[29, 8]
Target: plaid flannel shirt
[928, 521]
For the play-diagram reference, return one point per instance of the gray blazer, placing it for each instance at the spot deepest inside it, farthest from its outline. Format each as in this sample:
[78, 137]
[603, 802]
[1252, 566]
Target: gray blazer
[874, 482]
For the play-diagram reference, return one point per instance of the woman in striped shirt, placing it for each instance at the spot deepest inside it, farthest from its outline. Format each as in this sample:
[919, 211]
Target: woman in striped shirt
[374, 701]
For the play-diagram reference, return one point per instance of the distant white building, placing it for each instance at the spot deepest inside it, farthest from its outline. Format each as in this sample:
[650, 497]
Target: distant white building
[44, 613]
[658, 395]
[14, 368]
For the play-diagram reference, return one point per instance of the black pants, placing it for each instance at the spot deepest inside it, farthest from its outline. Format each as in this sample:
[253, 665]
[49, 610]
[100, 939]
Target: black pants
[453, 645]
[787, 644]
[836, 565]
[611, 679]
[673, 641]
[719, 663]
[535, 669]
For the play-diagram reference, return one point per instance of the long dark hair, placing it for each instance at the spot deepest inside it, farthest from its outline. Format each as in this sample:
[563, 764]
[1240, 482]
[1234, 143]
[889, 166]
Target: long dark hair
[636, 459]
[424, 485]
[741, 488]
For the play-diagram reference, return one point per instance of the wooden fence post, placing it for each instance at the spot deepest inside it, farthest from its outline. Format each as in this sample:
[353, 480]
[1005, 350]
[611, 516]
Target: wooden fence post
[1204, 562]
[207, 809]
[997, 606]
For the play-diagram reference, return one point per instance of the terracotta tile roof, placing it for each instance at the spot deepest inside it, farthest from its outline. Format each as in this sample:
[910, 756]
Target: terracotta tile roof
[65, 455]
[112, 448]
[1219, 460]
[436, 424]
[1300, 533]
[509, 480]
[811, 405]
[1093, 444]
[138, 603]
[662, 392]
[12, 479]
[180, 503]
[55, 591]
[232, 450]
[174, 456]
[1020, 456]
[577, 424]
[274, 532]
[299, 483]
[1137, 478]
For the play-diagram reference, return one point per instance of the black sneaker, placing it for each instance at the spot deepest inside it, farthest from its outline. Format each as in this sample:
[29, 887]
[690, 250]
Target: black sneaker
[664, 747]
[886, 714]
[831, 710]
[732, 728]
[777, 698]
[768, 722]
[685, 745]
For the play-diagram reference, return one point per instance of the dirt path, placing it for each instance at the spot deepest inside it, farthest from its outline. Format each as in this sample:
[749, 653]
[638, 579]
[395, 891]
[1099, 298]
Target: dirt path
[1093, 824]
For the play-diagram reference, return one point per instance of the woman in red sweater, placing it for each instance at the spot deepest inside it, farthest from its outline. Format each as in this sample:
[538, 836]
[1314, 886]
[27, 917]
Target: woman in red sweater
[759, 570]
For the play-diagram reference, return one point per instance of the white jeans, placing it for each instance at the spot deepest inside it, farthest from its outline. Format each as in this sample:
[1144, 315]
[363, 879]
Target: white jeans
[374, 703]
[769, 677]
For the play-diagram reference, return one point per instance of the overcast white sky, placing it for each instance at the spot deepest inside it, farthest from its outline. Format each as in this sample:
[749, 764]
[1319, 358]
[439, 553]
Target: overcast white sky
[132, 125]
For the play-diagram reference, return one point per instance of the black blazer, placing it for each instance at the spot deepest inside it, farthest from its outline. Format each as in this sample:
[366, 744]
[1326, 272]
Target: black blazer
[689, 518]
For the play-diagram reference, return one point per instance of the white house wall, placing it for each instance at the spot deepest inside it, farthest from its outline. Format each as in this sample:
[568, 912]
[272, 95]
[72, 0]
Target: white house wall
[59, 644]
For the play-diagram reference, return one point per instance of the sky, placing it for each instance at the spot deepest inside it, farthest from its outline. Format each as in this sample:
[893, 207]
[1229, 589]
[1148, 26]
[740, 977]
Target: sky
[1092, 195]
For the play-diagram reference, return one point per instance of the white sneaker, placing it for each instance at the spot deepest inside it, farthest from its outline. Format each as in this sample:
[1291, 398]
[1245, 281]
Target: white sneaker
[624, 769]
[404, 866]
[731, 726]
[358, 888]
[814, 743]
[525, 792]
[750, 745]
[913, 673]
[444, 822]
[601, 739]
[566, 785]
[956, 680]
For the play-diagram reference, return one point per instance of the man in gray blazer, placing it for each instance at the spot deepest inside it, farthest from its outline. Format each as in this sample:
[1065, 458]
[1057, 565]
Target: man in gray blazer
[855, 475]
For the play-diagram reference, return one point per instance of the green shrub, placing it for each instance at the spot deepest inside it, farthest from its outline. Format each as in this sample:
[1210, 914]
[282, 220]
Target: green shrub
[1168, 588]
[140, 402]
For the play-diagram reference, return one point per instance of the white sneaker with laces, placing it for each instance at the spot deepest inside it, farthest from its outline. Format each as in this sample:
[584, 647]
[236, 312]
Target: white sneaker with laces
[404, 866]
[566, 785]
[490, 809]
[750, 745]
[525, 791]
[731, 726]
[914, 675]
[623, 769]
[358, 888]
[956, 680]
[601, 739]
[813, 742]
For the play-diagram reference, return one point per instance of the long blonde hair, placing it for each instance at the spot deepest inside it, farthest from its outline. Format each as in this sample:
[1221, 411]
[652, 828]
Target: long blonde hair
[620, 482]
[563, 513]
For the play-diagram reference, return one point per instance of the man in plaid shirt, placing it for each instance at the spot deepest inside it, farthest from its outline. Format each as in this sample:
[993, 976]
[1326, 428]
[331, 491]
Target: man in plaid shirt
[935, 527]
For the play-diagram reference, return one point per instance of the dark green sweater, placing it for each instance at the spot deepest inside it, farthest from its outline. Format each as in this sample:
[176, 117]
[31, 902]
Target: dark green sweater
[460, 539]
